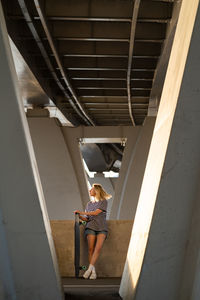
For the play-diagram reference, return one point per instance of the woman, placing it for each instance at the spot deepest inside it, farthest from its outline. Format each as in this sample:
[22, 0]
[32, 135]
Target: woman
[96, 229]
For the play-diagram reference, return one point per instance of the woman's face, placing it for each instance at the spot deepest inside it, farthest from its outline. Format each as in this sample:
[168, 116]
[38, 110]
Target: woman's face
[92, 192]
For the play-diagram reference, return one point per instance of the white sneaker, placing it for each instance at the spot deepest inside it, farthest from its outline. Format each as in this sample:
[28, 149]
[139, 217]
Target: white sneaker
[87, 274]
[93, 275]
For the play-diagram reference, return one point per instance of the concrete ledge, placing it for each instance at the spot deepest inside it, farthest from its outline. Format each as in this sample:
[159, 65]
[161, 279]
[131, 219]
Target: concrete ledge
[112, 258]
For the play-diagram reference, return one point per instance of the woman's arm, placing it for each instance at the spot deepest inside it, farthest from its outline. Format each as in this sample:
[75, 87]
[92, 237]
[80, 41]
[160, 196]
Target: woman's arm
[89, 213]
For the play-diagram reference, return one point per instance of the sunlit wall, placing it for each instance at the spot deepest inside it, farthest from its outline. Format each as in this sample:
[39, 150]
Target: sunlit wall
[158, 149]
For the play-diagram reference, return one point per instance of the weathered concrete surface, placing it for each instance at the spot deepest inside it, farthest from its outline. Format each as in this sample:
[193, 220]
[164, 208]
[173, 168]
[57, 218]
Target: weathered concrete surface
[161, 69]
[59, 182]
[113, 255]
[135, 172]
[28, 265]
[132, 136]
[171, 180]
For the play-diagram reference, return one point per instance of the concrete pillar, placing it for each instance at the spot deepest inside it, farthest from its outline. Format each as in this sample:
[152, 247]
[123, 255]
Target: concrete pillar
[107, 185]
[71, 137]
[27, 254]
[161, 68]
[132, 137]
[59, 181]
[135, 172]
[170, 190]
[7, 288]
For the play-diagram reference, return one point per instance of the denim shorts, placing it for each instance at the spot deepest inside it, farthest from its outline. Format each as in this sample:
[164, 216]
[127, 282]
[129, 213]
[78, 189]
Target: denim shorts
[95, 232]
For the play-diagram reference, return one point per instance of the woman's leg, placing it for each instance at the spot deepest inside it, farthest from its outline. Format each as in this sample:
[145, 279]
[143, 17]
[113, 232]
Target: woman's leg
[99, 243]
[91, 244]
[91, 239]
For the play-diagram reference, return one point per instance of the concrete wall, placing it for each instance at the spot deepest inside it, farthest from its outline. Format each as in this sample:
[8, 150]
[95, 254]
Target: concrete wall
[7, 286]
[58, 177]
[113, 254]
[190, 281]
[161, 69]
[132, 171]
[171, 180]
[71, 137]
[28, 265]
[135, 172]
[132, 137]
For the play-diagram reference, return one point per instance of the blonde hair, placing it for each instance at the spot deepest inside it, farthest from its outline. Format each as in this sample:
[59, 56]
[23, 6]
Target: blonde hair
[101, 194]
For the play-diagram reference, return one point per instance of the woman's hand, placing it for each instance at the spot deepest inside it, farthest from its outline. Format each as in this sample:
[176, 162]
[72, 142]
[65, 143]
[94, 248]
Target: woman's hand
[79, 212]
[90, 213]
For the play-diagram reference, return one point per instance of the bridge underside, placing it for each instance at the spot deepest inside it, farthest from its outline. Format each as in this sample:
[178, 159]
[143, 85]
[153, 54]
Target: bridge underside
[100, 86]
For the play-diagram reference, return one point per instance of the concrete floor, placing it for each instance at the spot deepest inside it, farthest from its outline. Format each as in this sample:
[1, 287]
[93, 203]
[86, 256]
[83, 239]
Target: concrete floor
[99, 289]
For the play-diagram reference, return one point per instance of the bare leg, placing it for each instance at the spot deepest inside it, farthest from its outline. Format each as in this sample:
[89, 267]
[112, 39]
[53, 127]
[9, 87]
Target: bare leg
[99, 243]
[91, 239]
[91, 245]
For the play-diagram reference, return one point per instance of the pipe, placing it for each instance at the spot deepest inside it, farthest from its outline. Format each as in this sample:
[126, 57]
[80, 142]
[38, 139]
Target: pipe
[130, 56]
[53, 48]
[45, 56]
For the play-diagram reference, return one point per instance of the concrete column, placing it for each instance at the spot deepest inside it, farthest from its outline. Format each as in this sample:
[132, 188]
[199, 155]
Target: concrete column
[161, 68]
[170, 189]
[27, 254]
[59, 181]
[135, 172]
[107, 185]
[7, 287]
[71, 137]
[132, 137]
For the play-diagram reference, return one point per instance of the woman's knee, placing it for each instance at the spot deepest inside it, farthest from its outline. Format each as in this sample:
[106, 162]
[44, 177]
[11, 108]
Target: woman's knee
[91, 249]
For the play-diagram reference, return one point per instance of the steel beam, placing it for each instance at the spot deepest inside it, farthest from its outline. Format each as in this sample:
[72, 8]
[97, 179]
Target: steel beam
[157, 41]
[108, 108]
[57, 58]
[101, 55]
[38, 40]
[110, 79]
[156, 20]
[111, 88]
[44, 53]
[91, 39]
[125, 97]
[117, 118]
[95, 69]
[108, 69]
[96, 39]
[95, 55]
[108, 56]
[107, 113]
[88, 19]
[171, 1]
[116, 103]
[113, 122]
